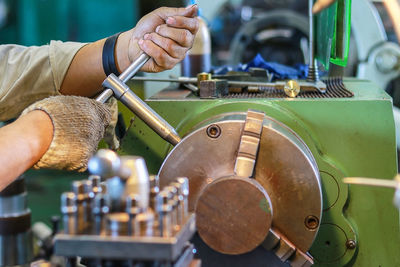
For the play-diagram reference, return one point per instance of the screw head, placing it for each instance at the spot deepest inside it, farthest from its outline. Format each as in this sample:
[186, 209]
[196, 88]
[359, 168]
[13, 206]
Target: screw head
[311, 222]
[351, 244]
[213, 131]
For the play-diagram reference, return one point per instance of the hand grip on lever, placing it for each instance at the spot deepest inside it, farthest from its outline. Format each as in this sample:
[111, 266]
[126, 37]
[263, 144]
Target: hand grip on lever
[115, 86]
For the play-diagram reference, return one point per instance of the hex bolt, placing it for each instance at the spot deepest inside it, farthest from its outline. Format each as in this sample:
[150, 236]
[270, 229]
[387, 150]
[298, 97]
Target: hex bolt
[154, 190]
[173, 201]
[145, 221]
[133, 209]
[185, 194]
[214, 131]
[79, 190]
[96, 180]
[179, 205]
[311, 222]
[88, 201]
[69, 211]
[164, 212]
[100, 209]
[117, 224]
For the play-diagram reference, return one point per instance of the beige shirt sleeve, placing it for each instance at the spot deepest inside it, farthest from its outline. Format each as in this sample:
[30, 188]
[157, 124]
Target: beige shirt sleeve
[28, 74]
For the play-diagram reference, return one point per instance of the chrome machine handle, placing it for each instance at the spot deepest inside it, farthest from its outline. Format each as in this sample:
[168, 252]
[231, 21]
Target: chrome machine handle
[115, 86]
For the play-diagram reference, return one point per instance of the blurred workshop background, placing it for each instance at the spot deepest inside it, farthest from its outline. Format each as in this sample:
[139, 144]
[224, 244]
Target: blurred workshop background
[281, 29]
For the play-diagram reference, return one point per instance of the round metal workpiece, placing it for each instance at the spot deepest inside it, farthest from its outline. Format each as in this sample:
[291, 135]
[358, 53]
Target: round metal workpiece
[117, 224]
[285, 168]
[233, 215]
[292, 88]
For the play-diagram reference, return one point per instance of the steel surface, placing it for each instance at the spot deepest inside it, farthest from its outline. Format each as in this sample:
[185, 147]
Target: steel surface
[284, 167]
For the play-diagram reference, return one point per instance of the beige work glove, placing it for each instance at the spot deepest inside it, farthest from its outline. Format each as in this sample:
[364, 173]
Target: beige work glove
[79, 124]
[109, 135]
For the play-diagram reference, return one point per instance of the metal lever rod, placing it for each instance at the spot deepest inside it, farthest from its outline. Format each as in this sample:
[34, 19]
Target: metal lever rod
[305, 86]
[125, 76]
[134, 68]
[116, 87]
[371, 182]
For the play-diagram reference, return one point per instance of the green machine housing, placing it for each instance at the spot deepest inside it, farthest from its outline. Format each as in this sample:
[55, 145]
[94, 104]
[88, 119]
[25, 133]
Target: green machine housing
[347, 137]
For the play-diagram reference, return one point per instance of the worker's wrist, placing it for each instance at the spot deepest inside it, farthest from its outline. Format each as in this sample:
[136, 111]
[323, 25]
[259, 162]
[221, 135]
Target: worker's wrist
[123, 60]
[40, 131]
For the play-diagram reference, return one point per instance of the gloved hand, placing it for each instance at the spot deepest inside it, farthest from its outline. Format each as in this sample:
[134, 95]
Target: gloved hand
[319, 5]
[79, 124]
[165, 34]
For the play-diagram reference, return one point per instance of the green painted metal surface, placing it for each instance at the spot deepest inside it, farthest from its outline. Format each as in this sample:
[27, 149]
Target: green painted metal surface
[347, 136]
[37, 22]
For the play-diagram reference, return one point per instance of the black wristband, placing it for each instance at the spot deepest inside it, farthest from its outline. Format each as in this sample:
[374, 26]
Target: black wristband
[108, 57]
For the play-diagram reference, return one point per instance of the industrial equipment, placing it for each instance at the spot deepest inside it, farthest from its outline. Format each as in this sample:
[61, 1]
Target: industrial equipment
[117, 218]
[306, 146]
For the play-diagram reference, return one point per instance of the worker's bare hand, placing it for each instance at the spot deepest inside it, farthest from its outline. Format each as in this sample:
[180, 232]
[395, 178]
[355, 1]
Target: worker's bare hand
[321, 4]
[165, 34]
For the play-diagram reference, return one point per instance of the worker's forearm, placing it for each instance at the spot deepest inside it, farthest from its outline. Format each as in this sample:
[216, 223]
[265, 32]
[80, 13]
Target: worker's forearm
[85, 74]
[22, 144]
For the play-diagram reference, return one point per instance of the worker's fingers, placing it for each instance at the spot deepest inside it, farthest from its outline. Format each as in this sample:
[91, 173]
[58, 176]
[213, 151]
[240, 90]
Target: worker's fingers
[191, 24]
[165, 12]
[182, 36]
[170, 46]
[159, 56]
[321, 4]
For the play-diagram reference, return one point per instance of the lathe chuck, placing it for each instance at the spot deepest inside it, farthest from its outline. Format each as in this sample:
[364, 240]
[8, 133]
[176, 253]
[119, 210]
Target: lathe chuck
[284, 167]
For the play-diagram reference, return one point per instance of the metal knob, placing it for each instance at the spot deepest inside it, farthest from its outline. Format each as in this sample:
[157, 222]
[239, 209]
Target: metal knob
[106, 163]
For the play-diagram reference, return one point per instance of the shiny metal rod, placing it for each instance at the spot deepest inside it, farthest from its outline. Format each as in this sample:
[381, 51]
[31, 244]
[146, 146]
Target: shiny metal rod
[125, 76]
[116, 87]
[134, 68]
[191, 80]
[141, 109]
[313, 75]
[371, 182]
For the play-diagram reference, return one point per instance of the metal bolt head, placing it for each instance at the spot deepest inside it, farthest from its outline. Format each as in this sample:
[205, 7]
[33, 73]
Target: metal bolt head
[164, 200]
[68, 203]
[95, 179]
[133, 204]
[386, 61]
[79, 189]
[311, 222]
[351, 244]
[87, 185]
[154, 184]
[292, 88]
[184, 185]
[100, 205]
[213, 131]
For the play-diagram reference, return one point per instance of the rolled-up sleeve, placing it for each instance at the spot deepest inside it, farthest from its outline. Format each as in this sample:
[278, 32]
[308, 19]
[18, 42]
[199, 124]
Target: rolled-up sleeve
[28, 74]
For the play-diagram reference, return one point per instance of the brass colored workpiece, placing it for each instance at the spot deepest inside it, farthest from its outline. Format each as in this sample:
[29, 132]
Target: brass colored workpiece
[204, 76]
[292, 88]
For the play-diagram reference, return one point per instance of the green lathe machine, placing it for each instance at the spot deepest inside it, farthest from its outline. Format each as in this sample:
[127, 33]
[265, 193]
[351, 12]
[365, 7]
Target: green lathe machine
[306, 146]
